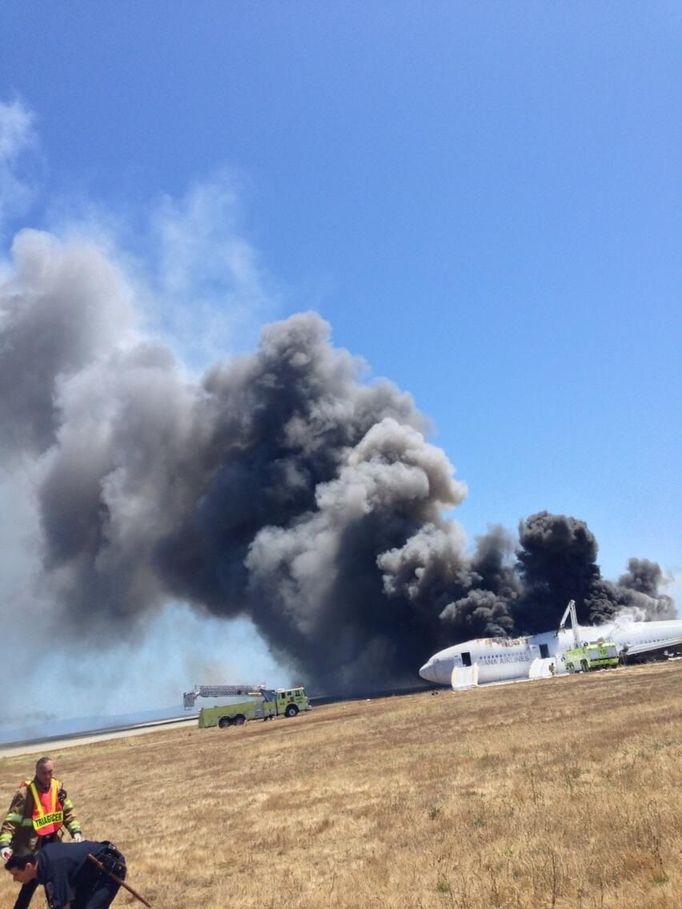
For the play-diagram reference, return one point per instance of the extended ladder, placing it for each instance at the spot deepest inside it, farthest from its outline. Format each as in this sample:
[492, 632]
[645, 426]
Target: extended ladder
[219, 691]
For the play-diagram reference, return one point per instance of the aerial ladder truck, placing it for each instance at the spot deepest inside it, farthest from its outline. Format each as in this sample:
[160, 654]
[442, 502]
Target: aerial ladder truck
[584, 657]
[259, 703]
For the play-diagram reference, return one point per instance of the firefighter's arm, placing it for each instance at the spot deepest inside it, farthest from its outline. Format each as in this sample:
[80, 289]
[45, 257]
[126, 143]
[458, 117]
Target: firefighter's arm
[71, 822]
[13, 818]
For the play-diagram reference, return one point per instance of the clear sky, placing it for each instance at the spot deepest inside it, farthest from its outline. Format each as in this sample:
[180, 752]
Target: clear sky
[483, 199]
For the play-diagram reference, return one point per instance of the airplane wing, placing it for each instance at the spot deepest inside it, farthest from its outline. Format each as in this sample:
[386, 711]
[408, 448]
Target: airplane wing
[670, 643]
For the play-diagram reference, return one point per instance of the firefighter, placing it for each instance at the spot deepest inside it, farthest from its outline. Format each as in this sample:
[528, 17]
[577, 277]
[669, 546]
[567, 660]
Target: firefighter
[38, 810]
[71, 880]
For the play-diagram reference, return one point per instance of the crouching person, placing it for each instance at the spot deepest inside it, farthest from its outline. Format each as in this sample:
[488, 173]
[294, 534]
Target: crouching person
[71, 880]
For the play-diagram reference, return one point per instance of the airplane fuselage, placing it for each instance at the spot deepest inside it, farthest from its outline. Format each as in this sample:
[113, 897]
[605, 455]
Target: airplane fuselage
[503, 659]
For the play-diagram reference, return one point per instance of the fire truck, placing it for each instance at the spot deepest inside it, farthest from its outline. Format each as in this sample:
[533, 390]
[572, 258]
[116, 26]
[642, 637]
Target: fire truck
[586, 657]
[259, 703]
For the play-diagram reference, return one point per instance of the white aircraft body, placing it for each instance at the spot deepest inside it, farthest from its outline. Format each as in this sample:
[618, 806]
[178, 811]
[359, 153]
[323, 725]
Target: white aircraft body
[504, 659]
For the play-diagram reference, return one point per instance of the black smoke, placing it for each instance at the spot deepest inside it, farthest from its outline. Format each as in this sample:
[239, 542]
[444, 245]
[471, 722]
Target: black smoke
[278, 486]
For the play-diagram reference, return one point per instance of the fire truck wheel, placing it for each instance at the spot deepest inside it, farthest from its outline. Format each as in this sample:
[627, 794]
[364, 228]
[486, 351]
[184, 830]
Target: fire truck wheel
[239, 720]
[291, 710]
[224, 721]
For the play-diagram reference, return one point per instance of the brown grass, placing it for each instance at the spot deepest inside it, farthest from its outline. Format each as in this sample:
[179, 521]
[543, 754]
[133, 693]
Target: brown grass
[559, 793]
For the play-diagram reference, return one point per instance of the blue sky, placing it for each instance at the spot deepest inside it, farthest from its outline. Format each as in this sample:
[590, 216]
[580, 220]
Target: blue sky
[483, 199]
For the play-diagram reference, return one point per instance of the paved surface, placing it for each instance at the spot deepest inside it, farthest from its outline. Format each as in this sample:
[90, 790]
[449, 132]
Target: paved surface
[85, 738]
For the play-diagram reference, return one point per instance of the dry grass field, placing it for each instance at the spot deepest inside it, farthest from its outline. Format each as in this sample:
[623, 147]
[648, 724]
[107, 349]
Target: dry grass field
[557, 793]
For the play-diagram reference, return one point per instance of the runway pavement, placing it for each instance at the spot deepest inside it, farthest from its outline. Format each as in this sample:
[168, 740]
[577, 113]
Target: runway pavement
[84, 738]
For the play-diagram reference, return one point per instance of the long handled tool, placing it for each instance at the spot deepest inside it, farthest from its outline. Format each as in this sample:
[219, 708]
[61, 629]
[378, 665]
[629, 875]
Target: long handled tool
[96, 861]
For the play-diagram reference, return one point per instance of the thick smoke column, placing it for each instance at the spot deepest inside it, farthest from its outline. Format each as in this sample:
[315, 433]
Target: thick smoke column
[557, 561]
[278, 487]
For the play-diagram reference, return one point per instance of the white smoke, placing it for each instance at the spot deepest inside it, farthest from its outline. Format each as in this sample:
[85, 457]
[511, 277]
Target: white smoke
[18, 146]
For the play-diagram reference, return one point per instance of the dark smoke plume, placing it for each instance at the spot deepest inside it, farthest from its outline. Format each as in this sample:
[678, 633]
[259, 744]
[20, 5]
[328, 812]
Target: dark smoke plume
[278, 487]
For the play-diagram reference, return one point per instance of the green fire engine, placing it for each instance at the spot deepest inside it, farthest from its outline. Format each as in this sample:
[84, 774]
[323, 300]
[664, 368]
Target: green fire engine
[586, 657]
[259, 703]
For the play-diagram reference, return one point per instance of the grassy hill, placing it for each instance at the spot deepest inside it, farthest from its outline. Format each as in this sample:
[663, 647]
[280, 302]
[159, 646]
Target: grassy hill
[558, 793]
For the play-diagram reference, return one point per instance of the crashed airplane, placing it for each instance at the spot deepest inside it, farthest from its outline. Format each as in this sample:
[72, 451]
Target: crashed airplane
[501, 659]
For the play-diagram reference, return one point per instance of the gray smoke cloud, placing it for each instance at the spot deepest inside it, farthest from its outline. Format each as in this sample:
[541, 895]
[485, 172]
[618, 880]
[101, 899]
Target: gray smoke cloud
[60, 310]
[279, 486]
[639, 589]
